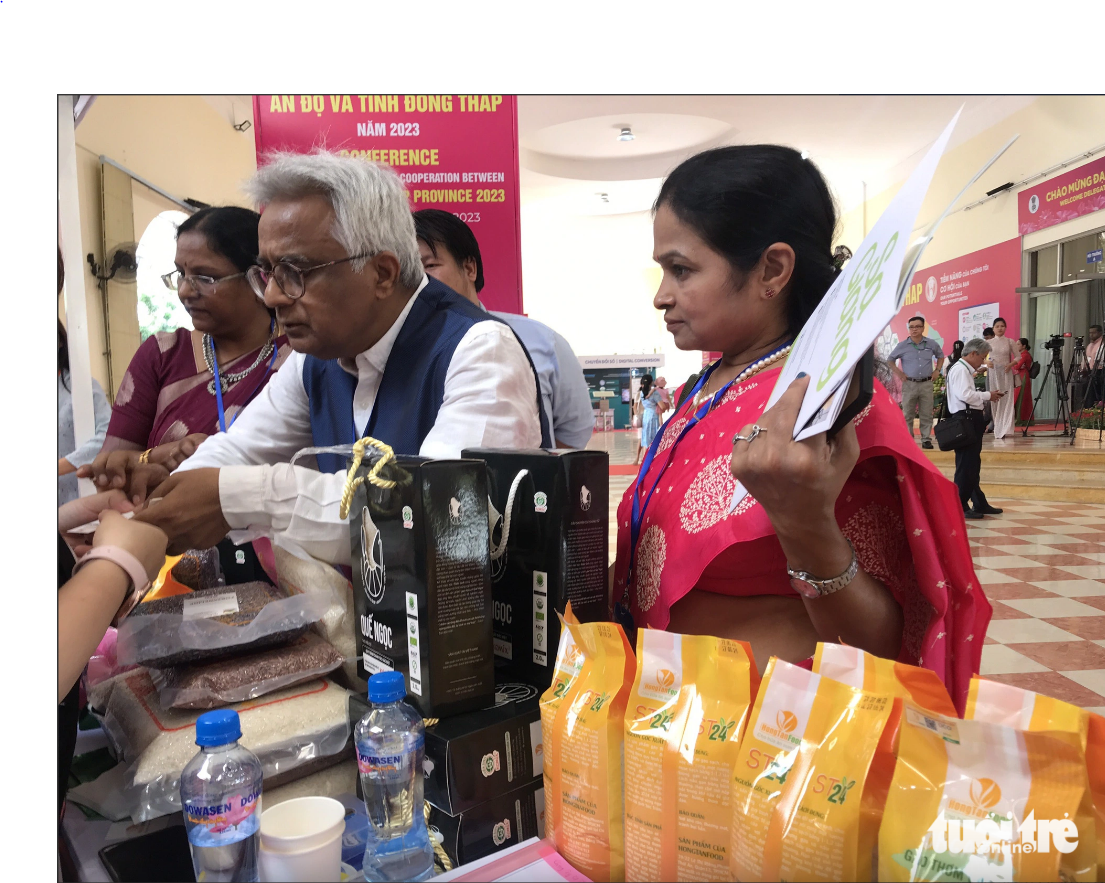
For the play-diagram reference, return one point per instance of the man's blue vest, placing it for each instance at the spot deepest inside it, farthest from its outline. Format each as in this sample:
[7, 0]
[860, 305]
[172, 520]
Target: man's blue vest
[413, 386]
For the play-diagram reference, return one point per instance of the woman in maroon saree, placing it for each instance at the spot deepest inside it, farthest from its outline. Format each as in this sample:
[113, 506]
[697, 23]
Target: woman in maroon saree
[744, 237]
[168, 400]
[168, 392]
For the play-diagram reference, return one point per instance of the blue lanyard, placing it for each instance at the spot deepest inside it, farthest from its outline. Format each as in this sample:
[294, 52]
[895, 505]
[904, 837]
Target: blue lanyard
[219, 387]
[638, 512]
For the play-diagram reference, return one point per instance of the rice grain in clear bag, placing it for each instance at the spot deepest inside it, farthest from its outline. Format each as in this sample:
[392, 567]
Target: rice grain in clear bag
[227, 681]
[216, 623]
[286, 730]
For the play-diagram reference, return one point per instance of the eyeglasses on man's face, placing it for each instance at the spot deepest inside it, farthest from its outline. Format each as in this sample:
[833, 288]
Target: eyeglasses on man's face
[200, 284]
[290, 279]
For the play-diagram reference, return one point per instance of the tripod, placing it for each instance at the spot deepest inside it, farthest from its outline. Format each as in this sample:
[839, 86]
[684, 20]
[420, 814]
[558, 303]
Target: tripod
[1055, 368]
[1095, 391]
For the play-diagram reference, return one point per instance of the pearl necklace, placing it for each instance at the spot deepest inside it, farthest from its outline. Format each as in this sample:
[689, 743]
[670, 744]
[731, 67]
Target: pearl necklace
[755, 368]
[228, 380]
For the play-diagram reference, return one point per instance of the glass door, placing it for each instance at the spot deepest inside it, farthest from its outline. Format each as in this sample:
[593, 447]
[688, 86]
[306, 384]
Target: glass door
[1046, 321]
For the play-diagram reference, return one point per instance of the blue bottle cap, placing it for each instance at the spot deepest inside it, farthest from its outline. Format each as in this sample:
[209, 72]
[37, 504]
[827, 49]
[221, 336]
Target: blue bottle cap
[218, 728]
[387, 686]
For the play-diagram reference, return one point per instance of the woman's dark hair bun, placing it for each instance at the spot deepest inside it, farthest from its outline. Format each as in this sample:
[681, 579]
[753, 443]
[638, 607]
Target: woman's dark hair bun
[744, 198]
[230, 230]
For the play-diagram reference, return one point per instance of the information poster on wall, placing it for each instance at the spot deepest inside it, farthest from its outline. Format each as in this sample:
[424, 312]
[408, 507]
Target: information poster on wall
[458, 153]
[1066, 196]
[972, 284]
[974, 320]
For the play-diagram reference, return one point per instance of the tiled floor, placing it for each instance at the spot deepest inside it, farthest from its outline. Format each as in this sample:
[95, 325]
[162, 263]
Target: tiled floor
[1042, 565]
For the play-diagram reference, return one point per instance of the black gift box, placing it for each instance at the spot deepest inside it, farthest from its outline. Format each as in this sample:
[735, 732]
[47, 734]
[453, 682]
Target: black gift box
[421, 585]
[478, 756]
[556, 551]
[497, 824]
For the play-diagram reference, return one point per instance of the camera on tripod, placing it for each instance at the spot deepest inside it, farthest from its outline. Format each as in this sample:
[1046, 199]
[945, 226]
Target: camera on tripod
[1055, 342]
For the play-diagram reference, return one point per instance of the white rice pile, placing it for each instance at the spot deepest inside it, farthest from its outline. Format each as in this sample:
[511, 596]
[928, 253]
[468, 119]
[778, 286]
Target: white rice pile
[285, 729]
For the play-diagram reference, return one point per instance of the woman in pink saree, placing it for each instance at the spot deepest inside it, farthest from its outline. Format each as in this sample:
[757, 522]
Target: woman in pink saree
[744, 237]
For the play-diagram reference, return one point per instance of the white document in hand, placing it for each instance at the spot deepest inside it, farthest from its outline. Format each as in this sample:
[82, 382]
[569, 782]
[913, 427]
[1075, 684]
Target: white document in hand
[856, 308]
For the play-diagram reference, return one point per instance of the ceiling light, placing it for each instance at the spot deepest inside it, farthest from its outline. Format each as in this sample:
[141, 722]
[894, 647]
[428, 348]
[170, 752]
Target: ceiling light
[626, 134]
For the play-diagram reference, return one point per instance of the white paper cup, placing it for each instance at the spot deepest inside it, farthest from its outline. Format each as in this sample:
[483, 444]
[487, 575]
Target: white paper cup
[301, 841]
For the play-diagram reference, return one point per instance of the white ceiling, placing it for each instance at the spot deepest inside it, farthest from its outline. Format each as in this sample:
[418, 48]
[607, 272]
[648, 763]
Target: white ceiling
[569, 152]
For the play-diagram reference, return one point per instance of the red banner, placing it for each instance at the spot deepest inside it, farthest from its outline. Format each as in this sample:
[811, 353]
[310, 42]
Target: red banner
[1070, 195]
[960, 297]
[454, 152]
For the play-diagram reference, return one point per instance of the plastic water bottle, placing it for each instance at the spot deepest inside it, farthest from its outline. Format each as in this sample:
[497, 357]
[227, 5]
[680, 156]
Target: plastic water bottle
[220, 790]
[391, 742]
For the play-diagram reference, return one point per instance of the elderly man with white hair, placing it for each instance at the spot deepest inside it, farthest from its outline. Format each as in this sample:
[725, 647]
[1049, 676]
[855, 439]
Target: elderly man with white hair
[964, 399]
[381, 350]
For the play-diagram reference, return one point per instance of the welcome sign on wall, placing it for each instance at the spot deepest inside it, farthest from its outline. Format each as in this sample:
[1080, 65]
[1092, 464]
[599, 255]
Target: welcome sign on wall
[458, 153]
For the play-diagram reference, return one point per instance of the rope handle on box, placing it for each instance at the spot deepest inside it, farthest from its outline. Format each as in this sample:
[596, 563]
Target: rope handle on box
[353, 481]
[439, 851]
[497, 551]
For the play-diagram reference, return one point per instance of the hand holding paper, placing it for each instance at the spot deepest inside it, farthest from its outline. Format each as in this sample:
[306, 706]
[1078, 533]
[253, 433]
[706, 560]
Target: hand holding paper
[860, 303]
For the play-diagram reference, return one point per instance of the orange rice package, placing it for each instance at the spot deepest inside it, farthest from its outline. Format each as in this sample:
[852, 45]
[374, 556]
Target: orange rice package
[582, 720]
[1011, 706]
[801, 775]
[975, 801]
[923, 687]
[687, 712]
[1095, 766]
[569, 662]
[861, 670]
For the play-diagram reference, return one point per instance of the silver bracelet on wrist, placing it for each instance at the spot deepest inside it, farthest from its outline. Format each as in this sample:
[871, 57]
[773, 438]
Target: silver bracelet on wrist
[809, 586]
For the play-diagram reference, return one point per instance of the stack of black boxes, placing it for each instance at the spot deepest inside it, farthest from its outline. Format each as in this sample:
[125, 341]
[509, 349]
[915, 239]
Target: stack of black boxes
[459, 570]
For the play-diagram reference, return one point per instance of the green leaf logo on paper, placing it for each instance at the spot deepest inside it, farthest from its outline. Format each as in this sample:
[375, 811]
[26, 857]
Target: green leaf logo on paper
[540, 581]
[540, 502]
[411, 604]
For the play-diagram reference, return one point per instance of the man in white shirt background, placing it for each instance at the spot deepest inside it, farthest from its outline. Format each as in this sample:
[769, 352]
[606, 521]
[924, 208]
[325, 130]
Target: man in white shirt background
[340, 265]
[451, 254]
[964, 398]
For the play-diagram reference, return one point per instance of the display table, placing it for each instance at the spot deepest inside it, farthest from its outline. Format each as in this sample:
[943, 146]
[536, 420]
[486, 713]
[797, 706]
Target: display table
[85, 837]
[532, 861]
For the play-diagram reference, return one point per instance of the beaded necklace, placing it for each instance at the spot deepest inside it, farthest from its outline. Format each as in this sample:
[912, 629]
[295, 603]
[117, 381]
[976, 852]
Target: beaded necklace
[755, 368]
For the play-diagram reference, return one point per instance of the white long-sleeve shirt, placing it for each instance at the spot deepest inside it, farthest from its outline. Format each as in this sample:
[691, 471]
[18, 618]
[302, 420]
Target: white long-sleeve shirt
[564, 390]
[961, 390]
[490, 401]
